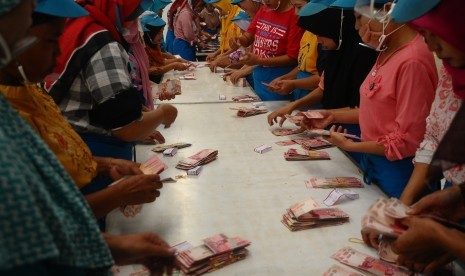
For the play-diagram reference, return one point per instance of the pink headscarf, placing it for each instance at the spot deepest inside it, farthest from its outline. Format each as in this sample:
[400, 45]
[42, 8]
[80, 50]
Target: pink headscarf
[140, 62]
[447, 21]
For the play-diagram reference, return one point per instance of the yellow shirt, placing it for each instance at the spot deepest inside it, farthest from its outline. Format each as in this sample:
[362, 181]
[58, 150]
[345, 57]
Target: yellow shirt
[39, 109]
[308, 53]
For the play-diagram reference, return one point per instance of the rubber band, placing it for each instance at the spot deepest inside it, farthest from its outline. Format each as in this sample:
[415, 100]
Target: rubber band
[356, 240]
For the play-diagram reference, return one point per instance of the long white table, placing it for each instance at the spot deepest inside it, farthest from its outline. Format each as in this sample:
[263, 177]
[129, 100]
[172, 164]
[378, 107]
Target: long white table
[245, 194]
[206, 88]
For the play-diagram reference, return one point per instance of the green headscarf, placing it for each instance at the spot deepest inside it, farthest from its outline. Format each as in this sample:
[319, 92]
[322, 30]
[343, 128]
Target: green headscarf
[7, 5]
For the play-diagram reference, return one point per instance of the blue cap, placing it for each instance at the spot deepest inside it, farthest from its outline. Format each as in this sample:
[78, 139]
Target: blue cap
[350, 4]
[157, 5]
[408, 10]
[315, 6]
[241, 16]
[344, 4]
[60, 8]
[151, 20]
[235, 2]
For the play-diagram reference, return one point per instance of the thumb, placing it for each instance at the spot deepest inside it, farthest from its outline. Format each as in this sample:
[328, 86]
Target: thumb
[114, 173]
[420, 207]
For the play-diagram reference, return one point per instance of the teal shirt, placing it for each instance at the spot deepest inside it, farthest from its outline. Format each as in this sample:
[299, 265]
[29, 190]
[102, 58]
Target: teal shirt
[43, 216]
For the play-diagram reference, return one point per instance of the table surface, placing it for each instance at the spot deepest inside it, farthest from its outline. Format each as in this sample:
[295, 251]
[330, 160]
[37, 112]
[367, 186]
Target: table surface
[245, 194]
[206, 88]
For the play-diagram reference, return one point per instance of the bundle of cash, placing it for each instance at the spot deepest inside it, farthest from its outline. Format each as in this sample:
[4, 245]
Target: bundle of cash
[308, 214]
[245, 98]
[200, 158]
[334, 182]
[286, 131]
[367, 264]
[153, 166]
[161, 148]
[298, 155]
[216, 252]
[249, 111]
[169, 86]
[299, 117]
[383, 217]
[312, 143]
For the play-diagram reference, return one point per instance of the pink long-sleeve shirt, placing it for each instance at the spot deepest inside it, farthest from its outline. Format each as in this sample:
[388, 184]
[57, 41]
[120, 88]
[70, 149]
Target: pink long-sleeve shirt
[396, 98]
[184, 26]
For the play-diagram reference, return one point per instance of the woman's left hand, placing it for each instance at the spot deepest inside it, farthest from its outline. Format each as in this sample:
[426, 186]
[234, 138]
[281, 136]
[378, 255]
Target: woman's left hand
[337, 139]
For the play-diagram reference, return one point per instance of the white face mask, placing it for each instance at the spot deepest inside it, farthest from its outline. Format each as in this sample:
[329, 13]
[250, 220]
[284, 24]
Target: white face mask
[376, 40]
[20, 46]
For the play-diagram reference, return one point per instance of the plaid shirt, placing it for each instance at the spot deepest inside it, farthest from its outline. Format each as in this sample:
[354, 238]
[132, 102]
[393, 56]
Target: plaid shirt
[106, 74]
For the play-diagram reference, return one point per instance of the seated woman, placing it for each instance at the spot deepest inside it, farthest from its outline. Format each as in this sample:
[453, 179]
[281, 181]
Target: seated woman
[153, 26]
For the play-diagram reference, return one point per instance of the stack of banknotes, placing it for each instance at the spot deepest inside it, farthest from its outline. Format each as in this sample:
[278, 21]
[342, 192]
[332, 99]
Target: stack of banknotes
[245, 98]
[308, 214]
[200, 158]
[249, 111]
[216, 252]
[298, 155]
[334, 182]
[367, 264]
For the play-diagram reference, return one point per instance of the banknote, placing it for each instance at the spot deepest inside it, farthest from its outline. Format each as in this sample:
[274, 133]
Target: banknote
[367, 264]
[337, 270]
[334, 182]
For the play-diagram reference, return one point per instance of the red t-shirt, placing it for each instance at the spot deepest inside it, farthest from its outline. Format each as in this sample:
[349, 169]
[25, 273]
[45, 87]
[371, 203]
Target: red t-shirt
[276, 34]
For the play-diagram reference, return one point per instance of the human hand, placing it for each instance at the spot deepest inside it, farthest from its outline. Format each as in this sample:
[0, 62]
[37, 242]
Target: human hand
[371, 238]
[447, 204]
[154, 138]
[169, 114]
[178, 66]
[417, 247]
[274, 83]
[284, 87]
[138, 189]
[337, 139]
[166, 95]
[281, 112]
[235, 43]
[213, 65]
[249, 59]
[145, 248]
[211, 57]
[235, 76]
[121, 167]
[328, 118]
